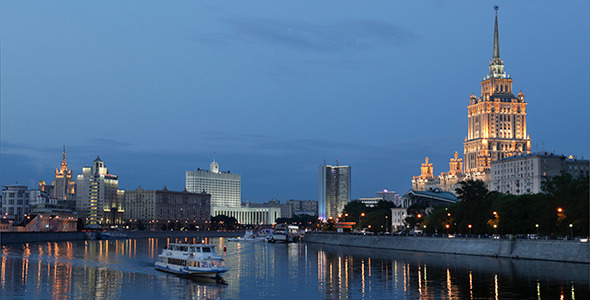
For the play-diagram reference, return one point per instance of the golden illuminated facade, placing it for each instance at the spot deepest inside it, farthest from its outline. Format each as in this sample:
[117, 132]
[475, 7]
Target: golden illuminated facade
[446, 181]
[64, 185]
[426, 175]
[496, 119]
[496, 129]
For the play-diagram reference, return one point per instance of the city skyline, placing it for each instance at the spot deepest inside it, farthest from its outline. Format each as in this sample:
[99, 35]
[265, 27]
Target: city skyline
[379, 88]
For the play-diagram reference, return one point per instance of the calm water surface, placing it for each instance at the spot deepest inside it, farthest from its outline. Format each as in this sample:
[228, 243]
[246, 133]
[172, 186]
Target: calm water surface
[124, 270]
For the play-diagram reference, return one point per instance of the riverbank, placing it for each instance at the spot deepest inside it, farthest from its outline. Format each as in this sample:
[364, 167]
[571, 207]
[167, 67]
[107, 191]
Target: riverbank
[35, 237]
[551, 250]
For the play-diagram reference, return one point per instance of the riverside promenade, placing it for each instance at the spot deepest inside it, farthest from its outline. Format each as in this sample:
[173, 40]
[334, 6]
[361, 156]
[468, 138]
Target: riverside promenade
[34, 237]
[550, 250]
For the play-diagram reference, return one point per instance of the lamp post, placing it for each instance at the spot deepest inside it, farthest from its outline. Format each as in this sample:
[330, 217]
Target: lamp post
[572, 230]
[537, 226]
[495, 229]
[469, 228]
[362, 215]
[447, 226]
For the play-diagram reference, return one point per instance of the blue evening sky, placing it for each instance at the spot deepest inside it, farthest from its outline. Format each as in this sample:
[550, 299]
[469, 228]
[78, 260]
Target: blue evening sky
[276, 87]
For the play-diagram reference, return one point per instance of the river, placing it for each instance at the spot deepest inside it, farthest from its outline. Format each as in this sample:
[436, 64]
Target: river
[123, 269]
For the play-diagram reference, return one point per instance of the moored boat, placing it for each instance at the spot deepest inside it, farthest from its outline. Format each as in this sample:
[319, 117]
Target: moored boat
[191, 259]
[112, 235]
[250, 236]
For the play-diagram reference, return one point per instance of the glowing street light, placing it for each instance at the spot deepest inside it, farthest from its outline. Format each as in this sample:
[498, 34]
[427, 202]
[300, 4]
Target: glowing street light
[469, 228]
[362, 215]
[537, 226]
[572, 230]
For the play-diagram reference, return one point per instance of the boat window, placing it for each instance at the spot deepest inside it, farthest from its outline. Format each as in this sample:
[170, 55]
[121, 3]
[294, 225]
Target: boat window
[206, 249]
[184, 248]
[198, 249]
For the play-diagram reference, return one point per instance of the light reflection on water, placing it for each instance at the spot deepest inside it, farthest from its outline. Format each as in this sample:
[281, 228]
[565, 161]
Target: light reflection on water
[124, 269]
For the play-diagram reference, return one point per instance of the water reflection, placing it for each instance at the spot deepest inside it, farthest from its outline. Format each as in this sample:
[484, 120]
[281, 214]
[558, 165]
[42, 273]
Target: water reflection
[428, 276]
[124, 269]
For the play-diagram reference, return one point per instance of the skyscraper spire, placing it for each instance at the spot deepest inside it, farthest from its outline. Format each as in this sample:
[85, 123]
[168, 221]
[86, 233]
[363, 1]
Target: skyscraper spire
[496, 37]
[496, 65]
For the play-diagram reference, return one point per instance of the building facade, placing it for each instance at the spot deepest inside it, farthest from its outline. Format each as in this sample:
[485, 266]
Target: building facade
[15, 202]
[398, 219]
[390, 196]
[64, 186]
[285, 208]
[249, 215]
[97, 196]
[497, 125]
[304, 207]
[524, 174]
[225, 188]
[496, 129]
[334, 192]
[156, 208]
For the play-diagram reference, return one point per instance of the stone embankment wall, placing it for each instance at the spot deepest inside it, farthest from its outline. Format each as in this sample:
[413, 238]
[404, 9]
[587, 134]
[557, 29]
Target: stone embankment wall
[34, 237]
[553, 250]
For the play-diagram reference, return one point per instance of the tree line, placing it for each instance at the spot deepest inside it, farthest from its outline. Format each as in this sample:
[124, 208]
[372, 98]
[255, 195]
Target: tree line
[564, 201]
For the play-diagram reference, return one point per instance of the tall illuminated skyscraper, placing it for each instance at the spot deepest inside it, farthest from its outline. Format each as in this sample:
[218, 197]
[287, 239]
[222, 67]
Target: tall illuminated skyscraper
[64, 186]
[334, 192]
[97, 195]
[496, 119]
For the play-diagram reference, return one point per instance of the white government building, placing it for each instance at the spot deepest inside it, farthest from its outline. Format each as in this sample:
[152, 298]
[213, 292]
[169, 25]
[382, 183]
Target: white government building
[249, 215]
[225, 188]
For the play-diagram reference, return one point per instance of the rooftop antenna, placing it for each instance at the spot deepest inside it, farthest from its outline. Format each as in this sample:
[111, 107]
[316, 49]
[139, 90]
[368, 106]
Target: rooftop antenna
[214, 153]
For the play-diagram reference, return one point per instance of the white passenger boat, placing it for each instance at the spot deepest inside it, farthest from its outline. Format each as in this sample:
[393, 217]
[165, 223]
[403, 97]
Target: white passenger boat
[191, 259]
[250, 236]
[284, 233]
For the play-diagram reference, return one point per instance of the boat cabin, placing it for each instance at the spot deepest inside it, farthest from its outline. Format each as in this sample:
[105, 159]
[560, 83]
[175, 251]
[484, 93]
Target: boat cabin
[192, 248]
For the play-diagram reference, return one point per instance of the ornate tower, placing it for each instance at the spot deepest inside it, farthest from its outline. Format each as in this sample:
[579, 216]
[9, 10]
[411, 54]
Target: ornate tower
[496, 119]
[64, 184]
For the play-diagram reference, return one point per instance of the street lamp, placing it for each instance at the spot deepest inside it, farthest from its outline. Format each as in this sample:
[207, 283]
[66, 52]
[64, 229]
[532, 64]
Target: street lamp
[469, 228]
[362, 215]
[447, 226]
[495, 231]
[537, 226]
[572, 230]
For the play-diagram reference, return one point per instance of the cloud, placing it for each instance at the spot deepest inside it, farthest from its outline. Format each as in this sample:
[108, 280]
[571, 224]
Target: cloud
[342, 36]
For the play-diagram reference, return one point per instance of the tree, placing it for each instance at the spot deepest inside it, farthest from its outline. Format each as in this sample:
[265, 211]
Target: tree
[570, 194]
[224, 222]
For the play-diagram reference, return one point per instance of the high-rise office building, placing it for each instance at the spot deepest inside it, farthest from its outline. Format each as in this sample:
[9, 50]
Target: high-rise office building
[496, 119]
[334, 190]
[97, 196]
[225, 188]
